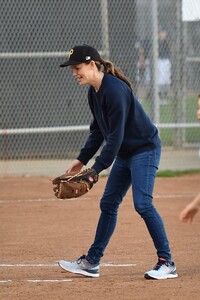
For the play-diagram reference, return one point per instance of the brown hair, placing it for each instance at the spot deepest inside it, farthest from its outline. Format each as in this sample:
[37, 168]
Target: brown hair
[109, 68]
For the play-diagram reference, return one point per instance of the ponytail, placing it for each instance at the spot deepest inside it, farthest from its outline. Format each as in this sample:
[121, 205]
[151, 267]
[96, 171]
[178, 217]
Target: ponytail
[109, 68]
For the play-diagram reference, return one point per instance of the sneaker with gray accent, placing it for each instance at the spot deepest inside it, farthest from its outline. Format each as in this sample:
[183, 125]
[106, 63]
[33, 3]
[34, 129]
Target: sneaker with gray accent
[80, 266]
[162, 270]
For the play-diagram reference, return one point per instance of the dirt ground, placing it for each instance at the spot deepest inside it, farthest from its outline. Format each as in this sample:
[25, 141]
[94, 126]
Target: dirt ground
[37, 230]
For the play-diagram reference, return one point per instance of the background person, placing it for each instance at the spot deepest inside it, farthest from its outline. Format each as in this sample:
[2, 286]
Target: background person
[188, 213]
[164, 66]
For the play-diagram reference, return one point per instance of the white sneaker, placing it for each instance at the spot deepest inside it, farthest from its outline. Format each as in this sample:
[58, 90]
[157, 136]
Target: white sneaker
[162, 270]
[80, 266]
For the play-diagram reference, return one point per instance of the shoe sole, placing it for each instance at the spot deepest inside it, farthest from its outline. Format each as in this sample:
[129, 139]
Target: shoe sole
[79, 271]
[169, 276]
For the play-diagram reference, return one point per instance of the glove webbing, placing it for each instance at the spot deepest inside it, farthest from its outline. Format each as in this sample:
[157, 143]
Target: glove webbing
[75, 175]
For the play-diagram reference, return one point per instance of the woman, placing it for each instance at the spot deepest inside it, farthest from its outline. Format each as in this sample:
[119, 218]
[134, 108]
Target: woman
[133, 144]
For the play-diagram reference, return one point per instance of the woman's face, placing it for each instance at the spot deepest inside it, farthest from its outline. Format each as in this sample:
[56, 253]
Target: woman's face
[84, 73]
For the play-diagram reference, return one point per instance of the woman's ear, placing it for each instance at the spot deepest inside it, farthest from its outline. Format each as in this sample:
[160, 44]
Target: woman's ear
[93, 63]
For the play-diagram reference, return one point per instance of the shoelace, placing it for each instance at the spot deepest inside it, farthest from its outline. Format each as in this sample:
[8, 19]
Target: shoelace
[79, 260]
[160, 263]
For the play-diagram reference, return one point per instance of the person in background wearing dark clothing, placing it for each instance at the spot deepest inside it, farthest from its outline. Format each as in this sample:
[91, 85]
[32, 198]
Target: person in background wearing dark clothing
[164, 66]
[143, 71]
[132, 145]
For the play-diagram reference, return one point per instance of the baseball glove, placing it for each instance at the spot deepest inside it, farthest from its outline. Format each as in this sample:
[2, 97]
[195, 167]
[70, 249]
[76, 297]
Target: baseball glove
[74, 185]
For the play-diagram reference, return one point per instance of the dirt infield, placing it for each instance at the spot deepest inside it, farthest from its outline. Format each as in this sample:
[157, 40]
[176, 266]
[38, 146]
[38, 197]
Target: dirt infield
[37, 230]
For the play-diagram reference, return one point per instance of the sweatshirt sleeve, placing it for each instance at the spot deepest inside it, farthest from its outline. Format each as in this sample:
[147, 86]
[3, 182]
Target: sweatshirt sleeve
[93, 143]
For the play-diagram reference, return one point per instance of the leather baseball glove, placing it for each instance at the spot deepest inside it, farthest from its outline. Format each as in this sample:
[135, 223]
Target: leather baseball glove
[74, 185]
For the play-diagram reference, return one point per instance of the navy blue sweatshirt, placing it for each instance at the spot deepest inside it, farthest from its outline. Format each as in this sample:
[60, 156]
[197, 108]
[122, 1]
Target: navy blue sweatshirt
[120, 121]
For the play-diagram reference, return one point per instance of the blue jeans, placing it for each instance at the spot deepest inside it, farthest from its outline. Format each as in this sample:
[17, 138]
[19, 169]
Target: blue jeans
[140, 172]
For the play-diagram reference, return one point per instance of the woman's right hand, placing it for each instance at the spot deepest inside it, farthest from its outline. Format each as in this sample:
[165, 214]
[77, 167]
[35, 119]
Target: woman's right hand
[75, 166]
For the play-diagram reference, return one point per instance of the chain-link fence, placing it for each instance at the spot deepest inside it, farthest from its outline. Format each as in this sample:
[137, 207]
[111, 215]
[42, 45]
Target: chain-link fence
[44, 114]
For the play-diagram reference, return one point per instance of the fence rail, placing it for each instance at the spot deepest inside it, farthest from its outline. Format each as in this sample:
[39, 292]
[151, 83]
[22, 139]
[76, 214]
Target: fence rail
[12, 131]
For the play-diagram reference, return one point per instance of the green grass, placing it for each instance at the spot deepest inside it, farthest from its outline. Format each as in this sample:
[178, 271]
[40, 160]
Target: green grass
[171, 112]
[175, 173]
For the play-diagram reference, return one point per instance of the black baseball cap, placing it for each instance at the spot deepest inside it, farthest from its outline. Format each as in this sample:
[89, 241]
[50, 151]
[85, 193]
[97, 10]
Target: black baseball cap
[81, 54]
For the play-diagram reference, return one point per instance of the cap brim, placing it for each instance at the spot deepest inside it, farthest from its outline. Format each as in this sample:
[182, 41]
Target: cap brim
[69, 63]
